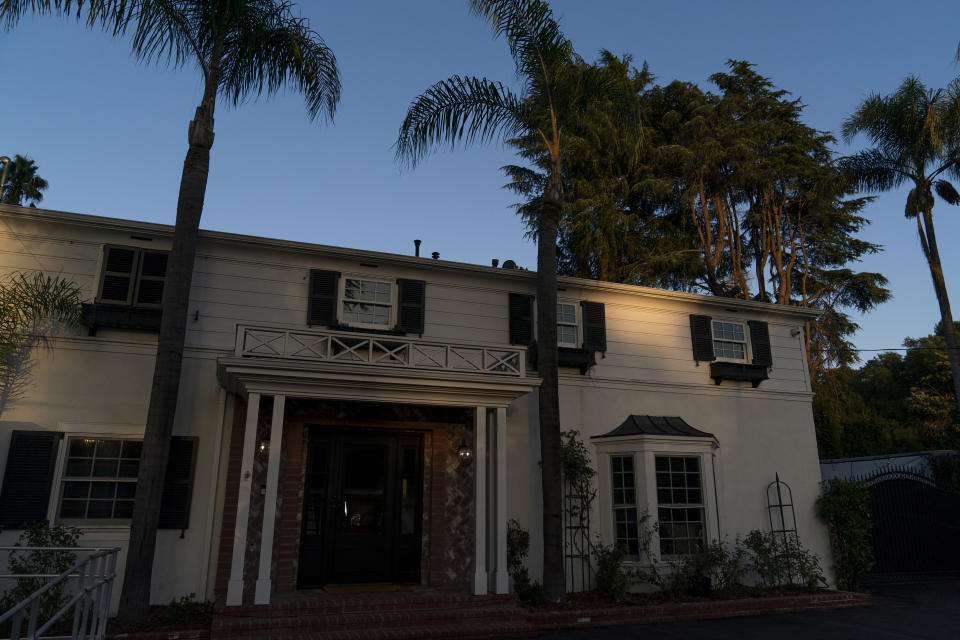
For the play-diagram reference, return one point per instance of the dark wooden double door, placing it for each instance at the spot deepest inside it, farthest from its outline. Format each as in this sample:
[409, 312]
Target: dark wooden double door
[362, 511]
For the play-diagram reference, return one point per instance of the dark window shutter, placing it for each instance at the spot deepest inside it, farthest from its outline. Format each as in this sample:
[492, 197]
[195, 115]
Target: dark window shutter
[521, 318]
[119, 270]
[178, 484]
[150, 283]
[411, 298]
[28, 477]
[322, 301]
[760, 343]
[701, 332]
[594, 326]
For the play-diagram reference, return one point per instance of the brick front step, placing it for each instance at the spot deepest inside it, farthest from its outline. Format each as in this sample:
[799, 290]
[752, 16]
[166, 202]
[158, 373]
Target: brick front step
[229, 626]
[434, 617]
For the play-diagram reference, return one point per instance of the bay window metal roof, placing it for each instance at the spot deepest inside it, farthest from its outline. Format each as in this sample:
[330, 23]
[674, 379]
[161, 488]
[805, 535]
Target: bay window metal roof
[655, 426]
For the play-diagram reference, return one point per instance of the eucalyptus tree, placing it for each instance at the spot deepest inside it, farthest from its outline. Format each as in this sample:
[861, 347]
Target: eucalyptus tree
[555, 86]
[241, 48]
[23, 185]
[915, 133]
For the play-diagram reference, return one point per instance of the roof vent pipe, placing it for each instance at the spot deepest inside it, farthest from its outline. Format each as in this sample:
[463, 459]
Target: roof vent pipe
[416, 248]
[436, 255]
[494, 262]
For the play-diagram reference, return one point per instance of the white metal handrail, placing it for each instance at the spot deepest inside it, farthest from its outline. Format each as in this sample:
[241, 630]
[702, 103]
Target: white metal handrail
[90, 602]
[380, 350]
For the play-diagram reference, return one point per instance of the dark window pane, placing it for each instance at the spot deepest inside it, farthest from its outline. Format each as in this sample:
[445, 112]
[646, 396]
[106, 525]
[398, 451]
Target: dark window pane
[628, 464]
[78, 468]
[666, 546]
[679, 496]
[662, 463]
[73, 508]
[663, 496]
[126, 490]
[692, 465]
[617, 463]
[105, 469]
[115, 288]
[132, 448]
[120, 260]
[154, 264]
[108, 448]
[693, 496]
[76, 490]
[693, 480]
[103, 490]
[129, 468]
[82, 447]
[663, 479]
[150, 292]
[100, 509]
[123, 509]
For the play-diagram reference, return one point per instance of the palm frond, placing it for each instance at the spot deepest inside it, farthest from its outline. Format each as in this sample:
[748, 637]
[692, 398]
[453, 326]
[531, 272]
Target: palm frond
[872, 170]
[110, 15]
[532, 33]
[947, 191]
[268, 47]
[458, 110]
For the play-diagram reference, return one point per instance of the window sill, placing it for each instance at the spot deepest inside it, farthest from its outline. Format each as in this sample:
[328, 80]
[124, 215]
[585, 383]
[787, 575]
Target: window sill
[107, 316]
[581, 359]
[752, 373]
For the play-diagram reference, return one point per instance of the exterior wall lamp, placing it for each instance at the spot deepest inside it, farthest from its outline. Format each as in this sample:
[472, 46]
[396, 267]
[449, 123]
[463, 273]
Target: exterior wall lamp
[465, 452]
[264, 447]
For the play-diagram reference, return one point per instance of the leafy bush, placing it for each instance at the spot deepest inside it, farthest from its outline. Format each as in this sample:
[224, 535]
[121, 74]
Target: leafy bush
[41, 562]
[518, 546]
[845, 507]
[716, 568]
[782, 561]
[187, 608]
[613, 579]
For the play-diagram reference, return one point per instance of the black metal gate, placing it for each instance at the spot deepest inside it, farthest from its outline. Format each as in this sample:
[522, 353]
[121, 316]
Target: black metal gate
[916, 524]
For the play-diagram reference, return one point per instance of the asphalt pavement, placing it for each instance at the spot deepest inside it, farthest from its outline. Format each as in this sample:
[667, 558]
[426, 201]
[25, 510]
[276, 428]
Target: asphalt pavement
[923, 610]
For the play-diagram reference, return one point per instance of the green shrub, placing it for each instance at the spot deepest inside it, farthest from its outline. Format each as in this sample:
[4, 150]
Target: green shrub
[187, 608]
[718, 567]
[782, 561]
[41, 562]
[518, 546]
[845, 507]
[613, 579]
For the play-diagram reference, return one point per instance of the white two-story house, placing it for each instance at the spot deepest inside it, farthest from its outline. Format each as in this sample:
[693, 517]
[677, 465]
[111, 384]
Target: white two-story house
[347, 416]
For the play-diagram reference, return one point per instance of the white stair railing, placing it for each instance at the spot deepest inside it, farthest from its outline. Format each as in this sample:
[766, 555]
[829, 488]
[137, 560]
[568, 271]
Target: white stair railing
[90, 600]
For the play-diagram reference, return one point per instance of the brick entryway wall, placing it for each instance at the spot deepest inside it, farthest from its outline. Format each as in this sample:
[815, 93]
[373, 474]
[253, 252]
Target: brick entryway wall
[448, 528]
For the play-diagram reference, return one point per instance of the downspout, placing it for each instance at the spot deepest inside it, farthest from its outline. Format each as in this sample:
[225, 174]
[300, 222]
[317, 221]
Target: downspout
[716, 498]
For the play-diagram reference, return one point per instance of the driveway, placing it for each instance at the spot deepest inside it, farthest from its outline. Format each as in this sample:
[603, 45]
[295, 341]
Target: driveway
[915, 611]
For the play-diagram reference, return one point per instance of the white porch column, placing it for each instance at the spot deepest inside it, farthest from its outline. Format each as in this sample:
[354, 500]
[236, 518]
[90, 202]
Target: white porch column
[480, 501]
[501, 577]
[262, 594]
[235, 586]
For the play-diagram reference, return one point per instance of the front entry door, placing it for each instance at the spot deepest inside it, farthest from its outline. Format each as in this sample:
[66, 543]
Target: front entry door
[362, 507]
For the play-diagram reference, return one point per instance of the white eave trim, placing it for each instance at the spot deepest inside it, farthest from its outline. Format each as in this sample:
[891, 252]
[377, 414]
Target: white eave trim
[365, 383]
[341, 253]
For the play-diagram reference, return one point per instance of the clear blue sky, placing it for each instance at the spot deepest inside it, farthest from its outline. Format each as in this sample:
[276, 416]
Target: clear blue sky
[110, 134]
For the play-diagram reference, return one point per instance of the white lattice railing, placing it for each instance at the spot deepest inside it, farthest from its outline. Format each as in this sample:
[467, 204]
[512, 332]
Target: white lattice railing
[361, 348]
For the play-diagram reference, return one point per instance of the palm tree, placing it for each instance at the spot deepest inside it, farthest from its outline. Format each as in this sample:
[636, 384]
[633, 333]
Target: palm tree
[23, 185]
[31, 308]
[464, 110]
[916, 138]
[241, 48]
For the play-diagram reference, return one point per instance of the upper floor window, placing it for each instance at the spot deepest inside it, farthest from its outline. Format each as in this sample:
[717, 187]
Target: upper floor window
[567, 325]
[729, 340]
[367, 303]
[132, 277]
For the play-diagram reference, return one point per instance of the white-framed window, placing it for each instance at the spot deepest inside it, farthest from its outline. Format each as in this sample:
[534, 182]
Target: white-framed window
[98, 479]
[567, 324]
[367, 303]
[729, 340]
[656, 480]
[132, 276]
[680, 506]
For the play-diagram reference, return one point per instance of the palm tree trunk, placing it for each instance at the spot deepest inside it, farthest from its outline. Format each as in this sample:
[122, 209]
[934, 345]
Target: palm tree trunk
[554, 584]
[929, 240]
[135, 597]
